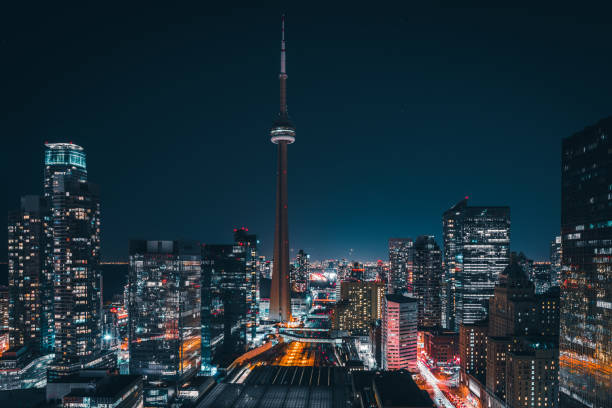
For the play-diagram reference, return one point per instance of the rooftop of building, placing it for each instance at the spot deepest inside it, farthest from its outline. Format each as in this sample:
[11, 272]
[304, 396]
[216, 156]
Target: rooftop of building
[108, 386]
[393, 388]
[397, 298]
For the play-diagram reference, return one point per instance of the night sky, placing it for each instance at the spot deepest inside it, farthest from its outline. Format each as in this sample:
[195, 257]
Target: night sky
[400, 113]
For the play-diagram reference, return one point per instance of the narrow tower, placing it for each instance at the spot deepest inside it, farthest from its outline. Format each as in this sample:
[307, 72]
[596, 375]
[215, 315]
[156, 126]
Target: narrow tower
[282, 134]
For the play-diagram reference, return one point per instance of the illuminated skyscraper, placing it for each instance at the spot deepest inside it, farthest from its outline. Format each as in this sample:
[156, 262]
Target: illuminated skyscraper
[451, 235]
[555, 260]
[586, 275]
[26, 257]
[399, 333]
[401, 258]
[282, 134]
[164, 308]
[477, 249]
[360, 305]
[248, 244]
[73, 257]
[300, 272]
[427, 279]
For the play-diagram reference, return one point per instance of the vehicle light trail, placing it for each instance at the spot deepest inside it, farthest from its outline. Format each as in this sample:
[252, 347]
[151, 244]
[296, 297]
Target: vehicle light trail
[440, 398]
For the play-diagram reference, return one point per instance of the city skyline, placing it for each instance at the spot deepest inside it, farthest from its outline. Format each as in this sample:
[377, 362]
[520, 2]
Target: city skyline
[472, 316]
[346, 184]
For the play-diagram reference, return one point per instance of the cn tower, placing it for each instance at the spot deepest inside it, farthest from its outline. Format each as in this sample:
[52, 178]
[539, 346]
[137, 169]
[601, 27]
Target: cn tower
[282, 134]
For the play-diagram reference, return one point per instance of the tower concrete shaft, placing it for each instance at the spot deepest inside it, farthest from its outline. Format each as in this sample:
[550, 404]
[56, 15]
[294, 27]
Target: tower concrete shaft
[282, 134]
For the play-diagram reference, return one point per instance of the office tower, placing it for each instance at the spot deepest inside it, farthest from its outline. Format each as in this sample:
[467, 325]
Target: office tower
[516, 324]
[473, 350]
[399, 333]
[26, 257]
[300, 272]
[427, 280]
[225, 264]
[282, 134]
[510, 316]
[586, 277]
[359, 306]
[451, 235]
[164, 309]
[555, 260]
[73, 256]
[476, 250]
[401, 257]
[248, 244]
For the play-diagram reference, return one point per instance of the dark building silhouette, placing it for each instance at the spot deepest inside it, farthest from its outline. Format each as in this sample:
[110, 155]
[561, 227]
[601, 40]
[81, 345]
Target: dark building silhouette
[227, 270]
[586, 277]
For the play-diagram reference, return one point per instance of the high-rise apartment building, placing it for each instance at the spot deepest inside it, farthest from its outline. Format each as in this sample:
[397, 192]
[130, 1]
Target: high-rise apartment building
[164, 309]
[586, 275]
[477, 249]
[73, 257]
[427, 281]
[399, 333]
[401, 258]
[360, 305]
[26, 277]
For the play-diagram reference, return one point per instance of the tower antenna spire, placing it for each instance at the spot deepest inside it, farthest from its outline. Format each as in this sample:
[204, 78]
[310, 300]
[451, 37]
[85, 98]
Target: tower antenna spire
[283, 49]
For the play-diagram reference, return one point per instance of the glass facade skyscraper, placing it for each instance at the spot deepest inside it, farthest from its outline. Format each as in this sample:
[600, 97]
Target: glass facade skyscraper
[225, 309]
[248, 244]
[586, 275]
[478, 240]
[427, 277]
[401, 258]
[73, 257]
[164, 309]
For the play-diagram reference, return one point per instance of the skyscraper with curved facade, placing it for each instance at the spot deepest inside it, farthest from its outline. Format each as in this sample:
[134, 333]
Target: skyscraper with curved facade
[72, 259]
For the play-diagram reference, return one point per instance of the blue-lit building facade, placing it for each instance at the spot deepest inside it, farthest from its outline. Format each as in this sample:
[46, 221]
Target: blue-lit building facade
[478, 240]
[164, 309]
[73, 257]
[586, 273]
[401, 257]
